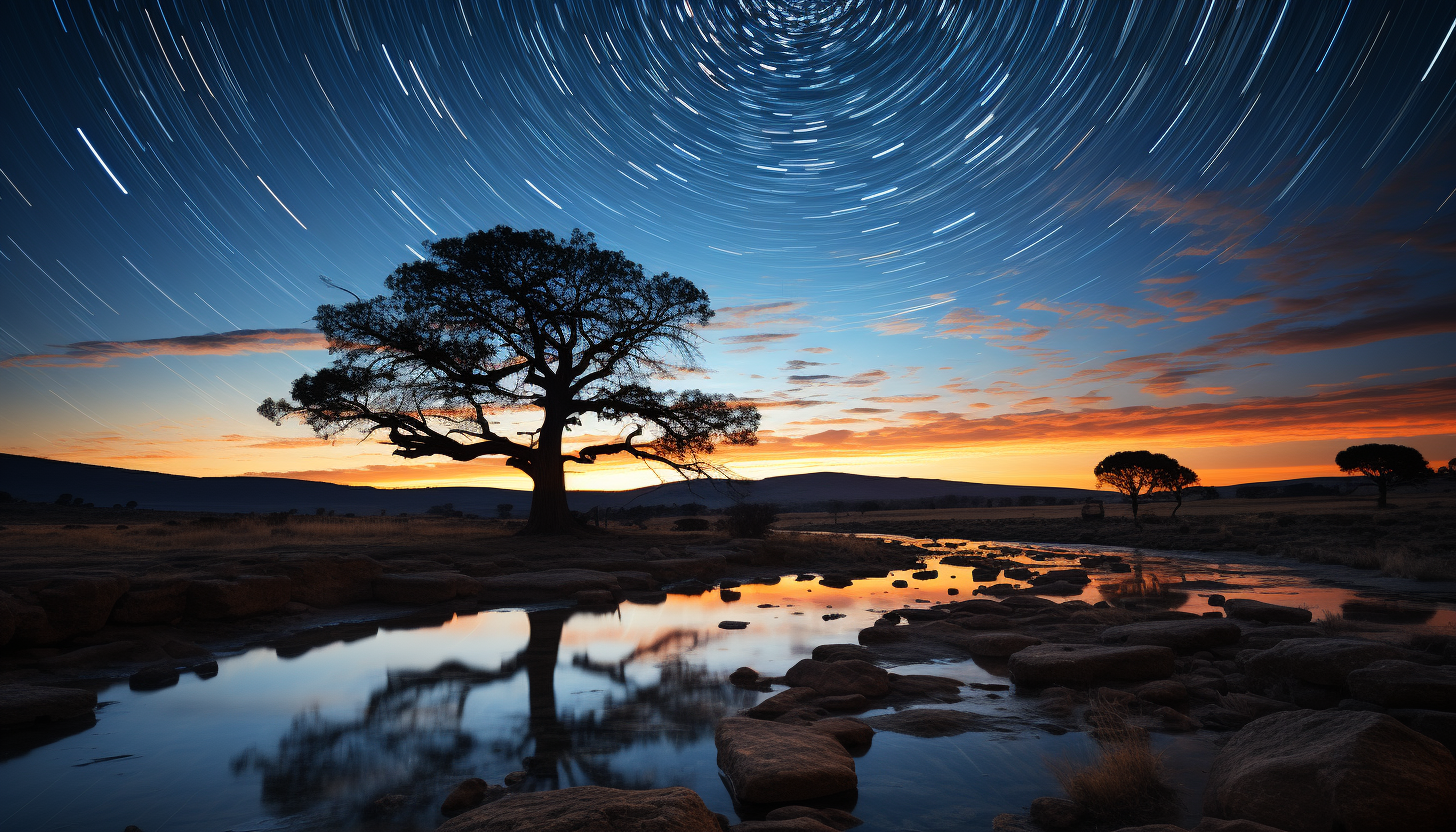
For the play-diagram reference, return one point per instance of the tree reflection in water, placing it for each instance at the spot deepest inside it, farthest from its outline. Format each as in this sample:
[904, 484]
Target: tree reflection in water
[411, 739]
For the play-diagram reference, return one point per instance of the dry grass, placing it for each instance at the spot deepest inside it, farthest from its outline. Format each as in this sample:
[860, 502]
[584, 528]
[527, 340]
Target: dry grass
[1125, 783]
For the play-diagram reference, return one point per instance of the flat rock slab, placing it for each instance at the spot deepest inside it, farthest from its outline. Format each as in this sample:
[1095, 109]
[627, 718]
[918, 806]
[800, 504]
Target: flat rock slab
[1183, 636]
[770, 762]
[704, 568]
[424, 587]
[1251, 610]
[840, 678]
[1316, 771]
[999, 644]
[244, 596]
[25, 704]
[593, 808]
[933, 722]
[548, 585]
[1085, 664]
[1320, 661]
[1400, 684]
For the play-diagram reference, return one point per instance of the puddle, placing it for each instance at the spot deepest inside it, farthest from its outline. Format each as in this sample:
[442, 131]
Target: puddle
[371, 733]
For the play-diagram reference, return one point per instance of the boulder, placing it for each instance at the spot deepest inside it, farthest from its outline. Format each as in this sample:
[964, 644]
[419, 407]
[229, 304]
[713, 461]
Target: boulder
[594, 808]
[552, 584]
[1071, 576]
[782, 702]
[25, 704]
[999, 645]
[1319, 771]
[239, 598]
[919, 686]
[1183, 636]
[1438, 725]
[980, 606]
[1056, 812]
[840, 678]
[597, 598]
[930, 722]
[152, 601]
[53, 610]
[424, 587]
[1251, 610]
[1163, 692]
[832, 818]
[331, 581]
[981, 621]
[1085, 664]
[854, 734]
[1400, 684]
[795, 824]
[768, 762]
[469, 794]
[840, 652]
[154, 677]
[1320, 661]
[632, 579]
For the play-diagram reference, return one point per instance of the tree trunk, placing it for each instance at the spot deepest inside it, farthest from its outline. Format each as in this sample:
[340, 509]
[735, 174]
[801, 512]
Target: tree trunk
[1381, 484]
[1177, 505]
[549, 511]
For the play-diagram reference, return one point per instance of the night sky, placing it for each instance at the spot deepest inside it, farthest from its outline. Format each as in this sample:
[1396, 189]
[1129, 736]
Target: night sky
[985, 241]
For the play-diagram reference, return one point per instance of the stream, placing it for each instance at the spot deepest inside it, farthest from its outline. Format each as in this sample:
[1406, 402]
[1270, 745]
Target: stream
[370, 732]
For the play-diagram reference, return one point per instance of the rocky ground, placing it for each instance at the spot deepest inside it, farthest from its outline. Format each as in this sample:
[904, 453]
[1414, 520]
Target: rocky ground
[1415, 538]
[1320, 730]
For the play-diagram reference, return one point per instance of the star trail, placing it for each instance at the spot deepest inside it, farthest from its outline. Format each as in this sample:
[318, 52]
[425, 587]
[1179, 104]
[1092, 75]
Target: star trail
[927, 225]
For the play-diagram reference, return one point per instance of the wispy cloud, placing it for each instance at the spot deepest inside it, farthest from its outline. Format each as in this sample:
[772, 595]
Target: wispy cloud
[238, 342]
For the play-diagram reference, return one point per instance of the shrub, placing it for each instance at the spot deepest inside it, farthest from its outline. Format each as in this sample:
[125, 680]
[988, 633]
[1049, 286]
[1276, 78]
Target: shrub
[1124, 784]
[691, 524]
[503, 511]
[751, 519]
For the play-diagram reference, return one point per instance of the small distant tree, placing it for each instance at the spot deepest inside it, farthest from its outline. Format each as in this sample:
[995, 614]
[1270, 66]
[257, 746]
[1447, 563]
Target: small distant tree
[1384, 465]
[63, 500]
[836, 508]
[503, 511]
[692, 509]
[869, 505]
[320, 512]
[1175, 480]
[504, 322]
[751, 519]
[131, 503]
[1133, 474]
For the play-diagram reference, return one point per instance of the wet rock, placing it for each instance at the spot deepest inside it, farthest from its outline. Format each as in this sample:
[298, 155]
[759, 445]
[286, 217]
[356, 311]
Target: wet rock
[470, 794]
[745, 677]
[925, 575]
[551, 584]
[1320, 661]
[980, 606]
[832, 818]
[1216, 600]
[1057, 588]
[95, 654]
[1056, 812]
[919, 614]
[836, 581]
[854, 734]
[782, 702]
[981, 621]
[52, 610]
[152, 601]
[154, 677]
[1084, 664]
[1018, 573]
[899, 584]
[1262, 638]
[931, 722]
[841, 652]
[1071, 576]
[594, 598]
[981, 574]
[729, 595]
[732, 625]
[424, 587]
[331, 581]
[999, 645]
[245, 596]
[25, 704]
[1315, 771]
[1007, 822]
[840, 678]
[1176, 721]
[1251, 610]
[691, 586]
[1438, 725]
[798, 824]
[1401, 684]
[675, 809]
[833, 616]
[768, 762]
[851, 702]
[1182, 636]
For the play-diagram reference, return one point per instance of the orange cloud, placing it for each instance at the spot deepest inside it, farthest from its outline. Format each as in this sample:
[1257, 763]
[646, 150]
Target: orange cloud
[238, 342]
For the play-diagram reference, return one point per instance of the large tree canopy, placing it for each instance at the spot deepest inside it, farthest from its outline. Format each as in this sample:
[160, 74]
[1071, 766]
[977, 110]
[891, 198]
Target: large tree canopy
[1385, 465]
[503, 321]
[1134, 473]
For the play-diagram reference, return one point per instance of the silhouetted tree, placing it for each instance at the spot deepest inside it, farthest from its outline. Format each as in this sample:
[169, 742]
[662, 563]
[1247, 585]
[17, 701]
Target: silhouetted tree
[63, 500]
[1175, 480]
[1385, 465]
[836, 507]
[751, 519]
[506, 320]
[1133, 473]
[869, 505]
[503, 511]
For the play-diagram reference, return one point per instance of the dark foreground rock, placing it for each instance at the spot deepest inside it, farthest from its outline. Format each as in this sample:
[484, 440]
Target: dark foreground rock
[469, 794]
[593, 808]
[548, 585]
[841, 678]
[1393, 683]
[1251, 610]
[770, 762]
[1085, 664]
[1319, 661]
[1183, 636]
[933, 722]
[1320, 771]
[25, 704]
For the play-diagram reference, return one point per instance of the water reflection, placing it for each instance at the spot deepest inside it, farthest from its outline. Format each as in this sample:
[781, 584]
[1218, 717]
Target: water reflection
[414, 732]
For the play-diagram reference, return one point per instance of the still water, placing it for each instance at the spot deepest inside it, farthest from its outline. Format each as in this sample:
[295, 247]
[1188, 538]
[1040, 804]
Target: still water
[372, 732]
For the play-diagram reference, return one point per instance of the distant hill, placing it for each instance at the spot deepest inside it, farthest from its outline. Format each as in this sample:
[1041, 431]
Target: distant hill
[42, 480]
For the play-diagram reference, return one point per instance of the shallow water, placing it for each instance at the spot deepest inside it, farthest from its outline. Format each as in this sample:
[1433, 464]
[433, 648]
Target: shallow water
[625, 698]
